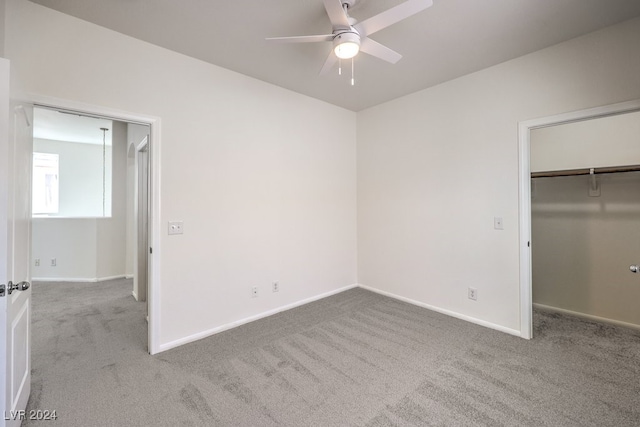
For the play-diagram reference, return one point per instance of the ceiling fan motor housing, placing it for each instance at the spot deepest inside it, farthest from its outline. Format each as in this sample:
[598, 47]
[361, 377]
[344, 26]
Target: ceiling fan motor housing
[350, 36]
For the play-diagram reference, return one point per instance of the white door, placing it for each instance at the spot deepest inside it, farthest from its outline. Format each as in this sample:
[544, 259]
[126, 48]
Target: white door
[16, 153]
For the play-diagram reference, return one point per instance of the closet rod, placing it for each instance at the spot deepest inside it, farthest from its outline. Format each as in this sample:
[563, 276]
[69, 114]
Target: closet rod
[587, 171]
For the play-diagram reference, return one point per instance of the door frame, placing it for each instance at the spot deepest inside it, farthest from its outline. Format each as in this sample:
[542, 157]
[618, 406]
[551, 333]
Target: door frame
[524, 185]
[141, 236]
[154, 267]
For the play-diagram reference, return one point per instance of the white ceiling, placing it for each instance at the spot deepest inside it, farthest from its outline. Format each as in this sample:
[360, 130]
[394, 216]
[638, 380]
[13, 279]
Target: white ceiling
[448, 40]
[57, 126]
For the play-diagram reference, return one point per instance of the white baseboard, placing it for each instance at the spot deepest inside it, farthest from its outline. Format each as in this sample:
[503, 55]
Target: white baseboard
[76, 279]
[231, 325]
[586, 316]
[128, 276]
[135, 295]
[64, 279]
[444, 311]
[104, 279]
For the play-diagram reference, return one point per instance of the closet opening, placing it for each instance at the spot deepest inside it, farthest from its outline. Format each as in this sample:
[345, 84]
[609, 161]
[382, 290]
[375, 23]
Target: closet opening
[580, 216]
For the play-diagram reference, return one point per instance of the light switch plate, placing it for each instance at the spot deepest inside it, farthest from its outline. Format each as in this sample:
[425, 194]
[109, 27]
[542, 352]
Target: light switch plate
[176, 227]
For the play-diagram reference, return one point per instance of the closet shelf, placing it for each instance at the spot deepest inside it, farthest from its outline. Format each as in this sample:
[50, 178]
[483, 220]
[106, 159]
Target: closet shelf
[586, 171]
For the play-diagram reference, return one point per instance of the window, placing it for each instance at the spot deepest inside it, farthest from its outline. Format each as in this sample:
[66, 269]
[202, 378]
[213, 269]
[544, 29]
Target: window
[45, 183]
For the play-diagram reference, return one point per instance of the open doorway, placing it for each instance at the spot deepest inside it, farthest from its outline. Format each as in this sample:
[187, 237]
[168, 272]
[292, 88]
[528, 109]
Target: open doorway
[88, 223]
[601, 215]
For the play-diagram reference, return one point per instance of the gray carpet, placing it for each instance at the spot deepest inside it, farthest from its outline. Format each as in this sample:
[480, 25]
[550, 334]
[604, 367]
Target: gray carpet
[353, 359]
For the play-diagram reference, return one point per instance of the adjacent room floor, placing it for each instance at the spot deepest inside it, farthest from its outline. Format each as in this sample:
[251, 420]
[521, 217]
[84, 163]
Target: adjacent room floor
[356, 358]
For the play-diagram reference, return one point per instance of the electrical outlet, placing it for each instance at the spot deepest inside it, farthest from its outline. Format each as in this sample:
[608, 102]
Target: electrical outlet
[54, 262]
[176, 227]
[37, 262]
[275, 287]
[473, 294]
[254, 292]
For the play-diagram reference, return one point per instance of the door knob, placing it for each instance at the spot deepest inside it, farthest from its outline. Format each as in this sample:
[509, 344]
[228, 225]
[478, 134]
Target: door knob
[22, 286]
[634, 268]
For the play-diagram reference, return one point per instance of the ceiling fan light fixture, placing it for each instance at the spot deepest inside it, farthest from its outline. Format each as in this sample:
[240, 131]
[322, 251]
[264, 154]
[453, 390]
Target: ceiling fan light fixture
[346, 45]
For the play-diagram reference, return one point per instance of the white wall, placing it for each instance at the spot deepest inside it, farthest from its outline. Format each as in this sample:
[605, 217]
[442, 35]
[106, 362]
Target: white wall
[582, 246]
[85, 249]
[436, 167]
[608, 141]
[263, 178]
[71, 241]
[112, 232]
[2, 21]
[80, 176]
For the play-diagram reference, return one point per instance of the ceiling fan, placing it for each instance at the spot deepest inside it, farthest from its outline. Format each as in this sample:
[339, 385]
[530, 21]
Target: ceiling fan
[350, 37]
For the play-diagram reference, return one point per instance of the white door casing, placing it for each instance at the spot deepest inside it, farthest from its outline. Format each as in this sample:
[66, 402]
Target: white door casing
[16, 149]
[141, 222]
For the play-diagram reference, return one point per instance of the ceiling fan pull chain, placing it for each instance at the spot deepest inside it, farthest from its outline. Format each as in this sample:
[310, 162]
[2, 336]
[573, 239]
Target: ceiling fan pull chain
[353, 80]
[339, 66]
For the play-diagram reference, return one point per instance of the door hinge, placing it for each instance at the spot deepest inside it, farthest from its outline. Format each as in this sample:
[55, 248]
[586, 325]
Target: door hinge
[150, 250]
[2, 290]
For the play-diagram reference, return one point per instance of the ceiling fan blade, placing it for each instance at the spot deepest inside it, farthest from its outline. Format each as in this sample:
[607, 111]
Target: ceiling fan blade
[302, 39]
[374, 48]
[329, 63]
[391, 16]
[336, 13]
